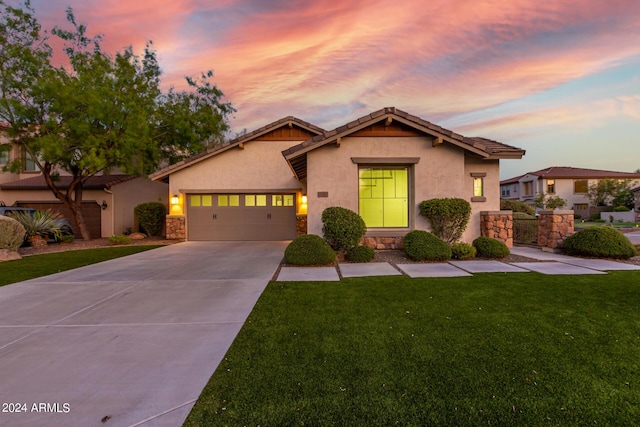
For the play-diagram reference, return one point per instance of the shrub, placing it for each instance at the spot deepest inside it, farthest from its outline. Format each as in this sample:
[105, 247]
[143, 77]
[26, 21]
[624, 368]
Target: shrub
[491, 248]
[523, 215]
[594, 217]
[577, 216]
[309, 250]
[448, 217]
[40, 223]
[67, 238]
[151, 217]
[516, 206]
[360, 254]
[421, 245]
[621, 209]
[463, 251]
[342, 228]
[119, 239]
[600, 242]
[12, 233]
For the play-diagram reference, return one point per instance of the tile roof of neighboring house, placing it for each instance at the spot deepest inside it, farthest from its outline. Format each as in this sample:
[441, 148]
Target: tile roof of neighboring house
[511, 180]
[560, 172]
[486, 148]
[289, 120]
[92, 183]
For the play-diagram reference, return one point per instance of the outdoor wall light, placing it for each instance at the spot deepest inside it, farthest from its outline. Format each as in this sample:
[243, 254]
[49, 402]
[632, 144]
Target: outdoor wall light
[304, 199]
[104, 205]
[175, 199]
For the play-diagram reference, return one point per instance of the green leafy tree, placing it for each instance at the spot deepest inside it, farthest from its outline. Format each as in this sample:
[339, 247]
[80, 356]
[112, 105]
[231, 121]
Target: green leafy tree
[98, 112]
[603, 192]
[549, 201]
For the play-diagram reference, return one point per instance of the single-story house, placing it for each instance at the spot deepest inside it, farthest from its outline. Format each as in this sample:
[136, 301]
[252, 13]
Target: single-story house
[571, 184]
[260, 185]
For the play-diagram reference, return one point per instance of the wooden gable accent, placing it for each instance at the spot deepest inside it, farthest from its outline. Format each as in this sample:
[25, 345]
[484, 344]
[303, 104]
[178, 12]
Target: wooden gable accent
[286, 133]
[394, 128]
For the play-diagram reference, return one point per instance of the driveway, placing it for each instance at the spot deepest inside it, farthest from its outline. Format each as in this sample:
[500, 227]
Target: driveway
[127, 342]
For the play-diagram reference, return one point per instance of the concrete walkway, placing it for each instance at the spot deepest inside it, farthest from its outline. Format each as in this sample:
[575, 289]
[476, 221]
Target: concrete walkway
[548, 263]
[127, 342]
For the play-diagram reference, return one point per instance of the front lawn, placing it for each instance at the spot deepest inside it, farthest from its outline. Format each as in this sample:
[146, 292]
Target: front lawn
[41, 265]
[492, 349]
[580, 224]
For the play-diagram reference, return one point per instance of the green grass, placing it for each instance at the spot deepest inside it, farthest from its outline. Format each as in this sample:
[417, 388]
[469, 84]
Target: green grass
[580, 224]
[41, 265]
[493, 349]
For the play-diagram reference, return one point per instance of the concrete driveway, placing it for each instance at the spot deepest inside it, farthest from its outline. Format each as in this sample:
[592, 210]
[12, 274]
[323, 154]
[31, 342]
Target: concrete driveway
[130, 341]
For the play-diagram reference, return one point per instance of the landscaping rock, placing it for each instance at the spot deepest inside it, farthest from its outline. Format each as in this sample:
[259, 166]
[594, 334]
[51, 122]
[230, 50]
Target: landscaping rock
[7, 255]
[137, 236]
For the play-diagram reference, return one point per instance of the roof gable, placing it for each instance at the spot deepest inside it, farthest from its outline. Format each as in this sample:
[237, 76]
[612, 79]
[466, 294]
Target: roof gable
[403, 124]
[286, 129]
[566, 172]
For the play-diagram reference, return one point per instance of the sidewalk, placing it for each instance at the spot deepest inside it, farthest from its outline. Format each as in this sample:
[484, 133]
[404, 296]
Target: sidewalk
[547, 263]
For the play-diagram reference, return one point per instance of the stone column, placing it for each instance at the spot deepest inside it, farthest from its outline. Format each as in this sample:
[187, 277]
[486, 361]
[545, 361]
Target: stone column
[553, 228]
[497, 225]
[301, 225]
[176, 227]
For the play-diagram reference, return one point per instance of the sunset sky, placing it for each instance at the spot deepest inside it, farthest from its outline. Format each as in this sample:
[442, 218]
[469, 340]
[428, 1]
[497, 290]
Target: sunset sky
[560, 79]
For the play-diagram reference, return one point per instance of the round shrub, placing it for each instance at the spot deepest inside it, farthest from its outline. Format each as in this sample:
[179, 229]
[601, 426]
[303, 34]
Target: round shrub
[309, 250]
[360, 254]
[461, 250]
[490, 248]
[600, 242]
[448, 217]
[621, 209]
[119, 239]
[516, 206]
[421, 245]
[11, 233]
[342, 228]
[523, 215]
[151, 217]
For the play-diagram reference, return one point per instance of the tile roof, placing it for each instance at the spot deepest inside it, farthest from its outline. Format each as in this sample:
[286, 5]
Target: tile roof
[483, 147]
[560, 172]
[165, 172]
[92, 183]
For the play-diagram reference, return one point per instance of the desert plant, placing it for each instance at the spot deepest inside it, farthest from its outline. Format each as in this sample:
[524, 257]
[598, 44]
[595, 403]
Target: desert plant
[151, 217]
[44, 224]
[360, 254]
[421, 245]
[342, 228]
[119, 239]
[600, 242]
[460, 250]
[448, 217]
[516, 206]
[491, 248]
[12, 233]
[621, 209]
[309, 249]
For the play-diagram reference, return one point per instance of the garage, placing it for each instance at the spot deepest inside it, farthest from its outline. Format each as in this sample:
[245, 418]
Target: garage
[241, 216]
[90, 210]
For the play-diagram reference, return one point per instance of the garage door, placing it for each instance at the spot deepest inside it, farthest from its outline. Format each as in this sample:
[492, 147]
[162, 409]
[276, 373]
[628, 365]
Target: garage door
[241, 216]
[90, 210]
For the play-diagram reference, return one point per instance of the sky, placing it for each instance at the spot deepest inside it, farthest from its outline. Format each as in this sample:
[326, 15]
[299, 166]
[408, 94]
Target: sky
[559, 78]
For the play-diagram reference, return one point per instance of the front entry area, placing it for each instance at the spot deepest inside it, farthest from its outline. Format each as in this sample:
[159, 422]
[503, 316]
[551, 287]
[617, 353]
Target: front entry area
[227, 216]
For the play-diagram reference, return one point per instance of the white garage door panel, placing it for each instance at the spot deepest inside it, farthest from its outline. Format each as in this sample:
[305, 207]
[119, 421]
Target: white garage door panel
[241, 216]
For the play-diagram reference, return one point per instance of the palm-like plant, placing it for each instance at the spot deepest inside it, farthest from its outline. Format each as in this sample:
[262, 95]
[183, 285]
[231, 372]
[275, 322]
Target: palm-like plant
[40, 223]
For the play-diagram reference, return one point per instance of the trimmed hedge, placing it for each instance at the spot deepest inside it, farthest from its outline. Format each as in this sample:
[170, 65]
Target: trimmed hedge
[490, 248]
[421, 245]
[600, 242]
[342, 228]
[463, 251]
[151, 217]
[522, 215]
[11, 233]
[119, 239]
[516, 206]
[448, 217]
[360, 254]
[309, 250]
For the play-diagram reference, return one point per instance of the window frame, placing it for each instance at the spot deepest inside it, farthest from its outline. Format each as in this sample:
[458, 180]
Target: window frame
[586, 184]
[551, 186]
[409, 189]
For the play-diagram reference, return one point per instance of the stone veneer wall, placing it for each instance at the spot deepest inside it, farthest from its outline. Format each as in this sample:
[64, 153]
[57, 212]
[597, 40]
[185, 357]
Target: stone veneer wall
[176, 228]
[301, 225]
[553, 228]
[383, 242]
[497, 225]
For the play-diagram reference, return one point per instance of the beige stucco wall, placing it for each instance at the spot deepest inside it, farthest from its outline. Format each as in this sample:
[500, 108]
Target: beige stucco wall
[443, 171]
[127, 196]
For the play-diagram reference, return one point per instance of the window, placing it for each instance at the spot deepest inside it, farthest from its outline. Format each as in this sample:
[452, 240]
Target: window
[384, 196]
[551, 186]
[478, 187]
[255, 200]
[225, 200]
[282, 200]
[29, 164]
[528, 188]
[515, 188]
[4, 156]
[581, 186]
[580, 207]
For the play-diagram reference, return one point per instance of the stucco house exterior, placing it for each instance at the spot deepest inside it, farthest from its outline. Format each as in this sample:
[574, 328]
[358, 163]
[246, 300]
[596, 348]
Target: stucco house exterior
[108, 200]
[571, 184]
[263, 185]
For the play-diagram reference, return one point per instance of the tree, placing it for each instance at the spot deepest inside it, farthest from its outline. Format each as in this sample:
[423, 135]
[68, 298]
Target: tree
[99, 112]
[549, 201]
[603, 192]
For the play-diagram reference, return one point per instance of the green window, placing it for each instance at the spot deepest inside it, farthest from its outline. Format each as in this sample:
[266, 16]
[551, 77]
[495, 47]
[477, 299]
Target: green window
[384, 197]
[282, 200]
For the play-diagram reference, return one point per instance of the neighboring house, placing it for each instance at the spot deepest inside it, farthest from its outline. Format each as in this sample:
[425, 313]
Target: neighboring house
[636, 196]
[381, 165]
[571, 184]
[108, 200]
